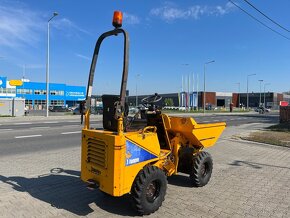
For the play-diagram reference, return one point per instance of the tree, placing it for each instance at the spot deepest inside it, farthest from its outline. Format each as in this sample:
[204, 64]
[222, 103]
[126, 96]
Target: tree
[168, 102]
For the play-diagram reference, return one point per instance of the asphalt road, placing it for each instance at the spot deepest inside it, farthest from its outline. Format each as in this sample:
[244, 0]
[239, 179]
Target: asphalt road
[237, 120]
[32, 136]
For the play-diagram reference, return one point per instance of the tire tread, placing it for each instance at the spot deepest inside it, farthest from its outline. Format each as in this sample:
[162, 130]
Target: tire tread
[140, 184]
[198, 160]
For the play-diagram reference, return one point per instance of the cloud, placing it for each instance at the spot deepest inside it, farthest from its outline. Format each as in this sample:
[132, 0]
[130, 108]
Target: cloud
[70, 28]
[170, 12]
[19, 26]
[32, 66]
[84, 57]
[229, 7]
[130, 18]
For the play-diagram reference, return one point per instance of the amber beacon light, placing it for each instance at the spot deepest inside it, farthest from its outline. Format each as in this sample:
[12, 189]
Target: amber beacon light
[117, 19]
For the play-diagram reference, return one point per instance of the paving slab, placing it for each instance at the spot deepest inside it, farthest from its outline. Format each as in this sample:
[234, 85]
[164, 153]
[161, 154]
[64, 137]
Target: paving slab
[249, 180]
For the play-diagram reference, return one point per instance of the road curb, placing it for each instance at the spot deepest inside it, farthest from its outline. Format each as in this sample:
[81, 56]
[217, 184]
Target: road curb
[255, 143]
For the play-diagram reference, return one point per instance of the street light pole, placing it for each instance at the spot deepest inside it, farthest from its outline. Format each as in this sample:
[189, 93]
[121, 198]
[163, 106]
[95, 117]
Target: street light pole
[137, 77]
[248, 89]
[260, 80]
[47, 65]
[239, 94]
[204, 66]
[186, 96]
[265, 84]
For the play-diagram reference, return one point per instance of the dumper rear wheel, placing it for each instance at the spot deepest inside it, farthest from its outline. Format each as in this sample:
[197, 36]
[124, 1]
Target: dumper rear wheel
[201, 169]
[149, 189]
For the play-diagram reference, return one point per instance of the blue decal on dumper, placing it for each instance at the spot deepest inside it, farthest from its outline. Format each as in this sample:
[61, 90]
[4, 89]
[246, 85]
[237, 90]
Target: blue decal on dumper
[136, 154]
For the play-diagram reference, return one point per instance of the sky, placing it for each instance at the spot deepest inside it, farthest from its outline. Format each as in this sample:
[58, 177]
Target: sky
[169, 40]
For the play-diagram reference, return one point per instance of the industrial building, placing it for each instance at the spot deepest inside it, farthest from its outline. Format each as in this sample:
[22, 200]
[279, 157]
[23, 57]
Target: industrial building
[217, 99]
[34, 93]
[268, 99]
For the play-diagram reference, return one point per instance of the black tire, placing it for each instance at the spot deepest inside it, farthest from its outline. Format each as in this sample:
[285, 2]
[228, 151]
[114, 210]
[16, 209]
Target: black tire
[149, 189]
[202, 166]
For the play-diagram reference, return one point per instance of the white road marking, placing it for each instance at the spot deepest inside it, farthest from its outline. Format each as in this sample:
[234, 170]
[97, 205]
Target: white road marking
[71, 126]
[40, 127]
[51, 122]
[27, 136]
[21, 123]
[67, 133]
[216, 120]
[4, 130]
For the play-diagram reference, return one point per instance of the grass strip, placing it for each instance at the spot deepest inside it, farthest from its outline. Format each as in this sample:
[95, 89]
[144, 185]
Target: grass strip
[280, 138]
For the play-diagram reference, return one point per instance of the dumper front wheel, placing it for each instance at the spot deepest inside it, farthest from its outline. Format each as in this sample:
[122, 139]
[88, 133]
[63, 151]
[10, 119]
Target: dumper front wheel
[201, 169]
[149, 189]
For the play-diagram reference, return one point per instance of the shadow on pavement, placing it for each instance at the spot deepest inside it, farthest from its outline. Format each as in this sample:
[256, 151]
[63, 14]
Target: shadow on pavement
[181, 180]
[254, 165]
[63, 189]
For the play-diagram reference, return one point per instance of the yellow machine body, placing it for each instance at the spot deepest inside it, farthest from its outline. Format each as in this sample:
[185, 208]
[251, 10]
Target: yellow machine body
[112, 160]
[122, 158]
[201, 135]
[105, 158]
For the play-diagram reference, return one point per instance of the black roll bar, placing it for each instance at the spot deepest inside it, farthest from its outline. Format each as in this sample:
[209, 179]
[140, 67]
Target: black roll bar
[121, 105]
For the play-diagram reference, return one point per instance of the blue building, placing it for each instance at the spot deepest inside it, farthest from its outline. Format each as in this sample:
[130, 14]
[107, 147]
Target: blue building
[6, 91]
[34, 93]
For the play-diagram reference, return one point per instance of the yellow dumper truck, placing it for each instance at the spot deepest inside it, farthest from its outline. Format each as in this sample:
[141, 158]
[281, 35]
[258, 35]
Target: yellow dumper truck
[119, 160]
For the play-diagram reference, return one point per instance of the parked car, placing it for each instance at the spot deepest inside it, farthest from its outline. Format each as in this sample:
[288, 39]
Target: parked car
[262, 110]
[76, 111]
[72, 108]
[96, 110]
[58, 109]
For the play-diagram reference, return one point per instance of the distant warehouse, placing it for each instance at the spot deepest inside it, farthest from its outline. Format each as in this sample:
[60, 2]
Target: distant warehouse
[216, 99]
[34, 93]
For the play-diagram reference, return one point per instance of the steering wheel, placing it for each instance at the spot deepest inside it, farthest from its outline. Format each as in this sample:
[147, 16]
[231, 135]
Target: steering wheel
[151, 99]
